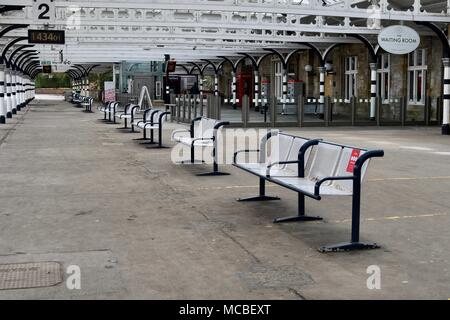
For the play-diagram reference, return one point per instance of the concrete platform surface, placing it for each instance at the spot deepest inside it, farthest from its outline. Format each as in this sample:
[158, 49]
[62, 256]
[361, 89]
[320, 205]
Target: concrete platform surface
[80, 192]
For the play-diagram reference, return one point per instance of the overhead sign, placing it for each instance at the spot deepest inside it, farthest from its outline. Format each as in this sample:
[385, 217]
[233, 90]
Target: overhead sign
[46, 36]
[44, 11]
[398, 39]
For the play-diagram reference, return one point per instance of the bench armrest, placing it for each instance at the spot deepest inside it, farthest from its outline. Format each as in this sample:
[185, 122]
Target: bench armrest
[162, 115]
[366, 156]
[322, 181]
[200, 139]
[300, 161]
[175, 132]
[269, 167]
[132, 111]
[146, 124]
[221, 124]
[125, 109]
[242, 151]
[138, 120]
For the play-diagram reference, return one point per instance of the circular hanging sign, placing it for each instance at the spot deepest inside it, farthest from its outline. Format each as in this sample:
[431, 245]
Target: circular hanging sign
[398, 39]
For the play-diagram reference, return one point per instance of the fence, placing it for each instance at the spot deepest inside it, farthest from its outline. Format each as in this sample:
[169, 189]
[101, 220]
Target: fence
[308, 111]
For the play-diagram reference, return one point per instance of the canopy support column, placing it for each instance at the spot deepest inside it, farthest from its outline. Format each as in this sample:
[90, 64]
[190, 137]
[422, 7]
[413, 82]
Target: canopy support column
[373, 91]
[446, 98]
[256, 75]
[322, 71]
[2, 95]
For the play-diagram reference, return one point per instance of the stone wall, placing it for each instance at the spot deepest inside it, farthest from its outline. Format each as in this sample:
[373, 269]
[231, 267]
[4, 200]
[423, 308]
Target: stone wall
[335, 80]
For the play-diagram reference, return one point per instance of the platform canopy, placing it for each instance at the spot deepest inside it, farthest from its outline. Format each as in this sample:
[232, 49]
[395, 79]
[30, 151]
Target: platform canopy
[190, 30]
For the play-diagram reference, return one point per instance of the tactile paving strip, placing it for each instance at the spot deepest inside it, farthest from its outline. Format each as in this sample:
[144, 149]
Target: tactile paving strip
[29, 275]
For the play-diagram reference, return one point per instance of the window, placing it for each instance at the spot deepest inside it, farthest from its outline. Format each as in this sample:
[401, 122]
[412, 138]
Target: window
[417, 75]
[351, 72]
[384, 77]
[278, 80]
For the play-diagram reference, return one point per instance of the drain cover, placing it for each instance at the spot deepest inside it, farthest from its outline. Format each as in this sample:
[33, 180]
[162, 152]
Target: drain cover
[29, 275]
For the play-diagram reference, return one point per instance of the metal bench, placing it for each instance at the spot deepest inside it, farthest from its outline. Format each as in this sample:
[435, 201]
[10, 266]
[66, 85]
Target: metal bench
[148, 116]
[103, 108]
[87, 104]
[153, 120]
[128, 114]
[202, 133]
[285, 148]
[106, 108]
[76, 98]
[336, 170]
[111, 112]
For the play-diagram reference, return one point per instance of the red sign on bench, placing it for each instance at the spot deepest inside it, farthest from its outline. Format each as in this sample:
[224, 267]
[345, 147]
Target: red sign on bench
[353, 158]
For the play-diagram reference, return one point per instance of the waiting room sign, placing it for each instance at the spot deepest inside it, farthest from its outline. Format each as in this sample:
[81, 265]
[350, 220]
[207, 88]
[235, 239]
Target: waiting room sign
[399, 39]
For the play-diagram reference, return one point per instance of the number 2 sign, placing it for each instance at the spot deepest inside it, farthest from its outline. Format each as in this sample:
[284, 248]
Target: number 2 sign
[43, 11]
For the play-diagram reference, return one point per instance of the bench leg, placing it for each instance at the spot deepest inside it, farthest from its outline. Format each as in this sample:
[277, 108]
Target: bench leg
[160, 136]
[354, 244]
[301, 213]
[192, 158]
[152, 137]
[216, 171]
[262, 194]
[110, 120]
[125, 127]
[349, 246]
[144, 138]
[104, 119]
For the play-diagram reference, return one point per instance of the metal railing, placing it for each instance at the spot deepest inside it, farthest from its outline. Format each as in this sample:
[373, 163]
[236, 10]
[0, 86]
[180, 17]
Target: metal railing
[308, 111]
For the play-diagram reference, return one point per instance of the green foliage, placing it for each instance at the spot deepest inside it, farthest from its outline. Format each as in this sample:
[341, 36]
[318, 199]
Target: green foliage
[53, 80]
[97, 80]
[62, 80]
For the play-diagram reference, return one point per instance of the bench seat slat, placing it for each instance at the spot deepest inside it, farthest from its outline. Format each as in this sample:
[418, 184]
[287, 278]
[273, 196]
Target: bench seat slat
[260, 169]
[307, 186]
[198, 143]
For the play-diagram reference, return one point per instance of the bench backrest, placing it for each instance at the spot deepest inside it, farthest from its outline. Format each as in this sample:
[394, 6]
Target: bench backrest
[157, 114]
[147, 115]
[345, 167]
[135, 110]
[325, 161]
[287, 148]
[337, 161]
[281, 147]
[204, 128]
[127, 108]
[293, 154]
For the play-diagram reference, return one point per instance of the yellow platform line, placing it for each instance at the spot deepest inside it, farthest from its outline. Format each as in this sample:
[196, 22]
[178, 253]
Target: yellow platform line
[394, 218]
[410, 178]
